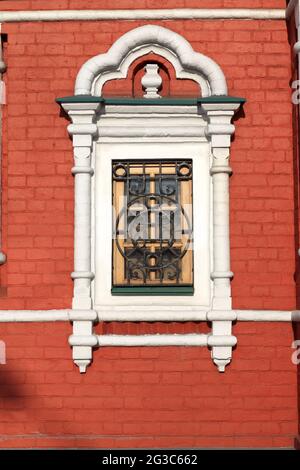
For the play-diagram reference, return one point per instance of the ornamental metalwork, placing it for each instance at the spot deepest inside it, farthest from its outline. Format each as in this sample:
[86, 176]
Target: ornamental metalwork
[152, 243]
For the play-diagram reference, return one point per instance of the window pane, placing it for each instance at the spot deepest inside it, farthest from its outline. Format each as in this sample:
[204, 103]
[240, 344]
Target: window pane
[152, 243]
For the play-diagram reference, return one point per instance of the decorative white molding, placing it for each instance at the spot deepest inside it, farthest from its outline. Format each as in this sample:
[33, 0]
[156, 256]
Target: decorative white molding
[147, 148]
[154, 340]
[268, 315]
[219, 130]
[83, 274]
[158, 132]
[215, 120]
[149, 315]
[15, 316]
[152, 314]
[149, 36]
[193, 314]
[213, 127]
[153, 122]
[142, 51]
[143, 14]
[165, 340]
[83, 339]
[83, 130]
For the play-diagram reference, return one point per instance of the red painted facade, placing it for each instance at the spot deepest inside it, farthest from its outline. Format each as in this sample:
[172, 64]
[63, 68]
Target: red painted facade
[147, 397]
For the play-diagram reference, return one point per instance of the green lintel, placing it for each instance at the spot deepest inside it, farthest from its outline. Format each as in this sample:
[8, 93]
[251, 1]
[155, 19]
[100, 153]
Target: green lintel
[145, 101]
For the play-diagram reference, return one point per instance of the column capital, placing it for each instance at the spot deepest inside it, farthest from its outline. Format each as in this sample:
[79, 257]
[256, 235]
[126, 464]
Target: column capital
[81, 113]
[219, 128]
[83, 128]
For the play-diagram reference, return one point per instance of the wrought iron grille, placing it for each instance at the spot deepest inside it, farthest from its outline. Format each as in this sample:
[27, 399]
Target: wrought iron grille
[152, 243]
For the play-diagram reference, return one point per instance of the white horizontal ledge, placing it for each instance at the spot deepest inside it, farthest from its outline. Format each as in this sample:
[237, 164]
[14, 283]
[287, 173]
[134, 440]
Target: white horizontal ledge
[151, 316]
[34, 315]
[153, 340]
[199, 315]
[7, 316]
[266, 315]
[172, 131]
[161, 14]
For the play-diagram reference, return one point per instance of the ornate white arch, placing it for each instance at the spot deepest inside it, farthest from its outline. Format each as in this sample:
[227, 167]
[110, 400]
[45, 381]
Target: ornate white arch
[150, 38]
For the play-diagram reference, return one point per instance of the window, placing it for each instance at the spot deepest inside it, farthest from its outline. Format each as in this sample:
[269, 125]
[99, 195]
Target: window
[153, 227]
[105, 132]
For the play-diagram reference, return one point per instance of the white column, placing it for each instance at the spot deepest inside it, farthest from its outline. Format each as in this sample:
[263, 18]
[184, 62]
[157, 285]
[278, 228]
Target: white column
[83, 130]
[219, 131]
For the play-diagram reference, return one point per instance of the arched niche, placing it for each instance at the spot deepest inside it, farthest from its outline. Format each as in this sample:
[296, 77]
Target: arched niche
[144, 40]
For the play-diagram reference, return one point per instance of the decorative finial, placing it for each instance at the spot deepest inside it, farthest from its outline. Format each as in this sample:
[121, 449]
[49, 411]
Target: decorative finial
[151, 81]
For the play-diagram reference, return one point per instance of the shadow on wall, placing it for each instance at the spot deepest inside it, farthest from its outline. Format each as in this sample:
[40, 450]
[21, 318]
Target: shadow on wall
[12, 393]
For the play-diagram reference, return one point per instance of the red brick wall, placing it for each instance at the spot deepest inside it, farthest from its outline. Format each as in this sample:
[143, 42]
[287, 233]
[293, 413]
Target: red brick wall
[156, 397]
[146, 396]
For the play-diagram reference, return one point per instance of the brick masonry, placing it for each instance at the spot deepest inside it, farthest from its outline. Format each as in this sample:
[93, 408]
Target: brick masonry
[146, 397]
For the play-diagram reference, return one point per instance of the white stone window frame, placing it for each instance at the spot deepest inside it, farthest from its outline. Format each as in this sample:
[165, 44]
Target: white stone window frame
[151, 144]
[217, 109]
